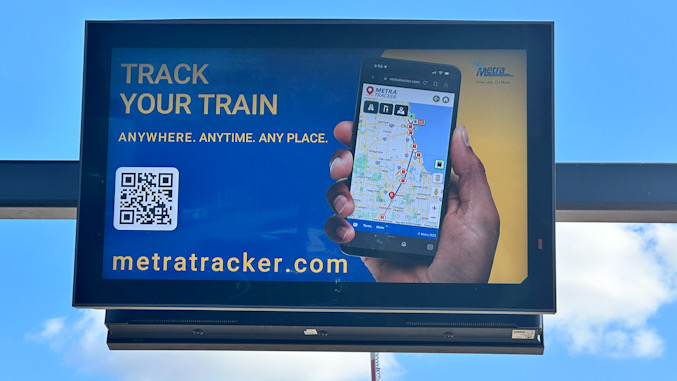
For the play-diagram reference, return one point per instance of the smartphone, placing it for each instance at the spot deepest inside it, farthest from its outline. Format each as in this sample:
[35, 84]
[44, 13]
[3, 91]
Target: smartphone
[404, 119]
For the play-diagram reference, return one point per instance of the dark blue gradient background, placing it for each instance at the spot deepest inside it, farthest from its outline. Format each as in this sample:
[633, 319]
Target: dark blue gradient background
[267, 199]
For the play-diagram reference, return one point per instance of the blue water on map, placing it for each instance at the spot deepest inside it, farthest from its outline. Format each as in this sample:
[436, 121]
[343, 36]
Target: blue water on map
[433, 137]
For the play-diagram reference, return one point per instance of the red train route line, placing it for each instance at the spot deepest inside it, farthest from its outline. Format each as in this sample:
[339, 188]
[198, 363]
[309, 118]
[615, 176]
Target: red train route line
[411, 156]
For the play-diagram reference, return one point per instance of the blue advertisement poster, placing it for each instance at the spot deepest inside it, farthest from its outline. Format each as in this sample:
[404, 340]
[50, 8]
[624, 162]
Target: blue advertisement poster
[218, 166]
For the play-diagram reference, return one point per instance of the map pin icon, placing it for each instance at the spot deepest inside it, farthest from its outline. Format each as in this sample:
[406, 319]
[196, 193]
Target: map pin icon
[391, 195]
[370, 90]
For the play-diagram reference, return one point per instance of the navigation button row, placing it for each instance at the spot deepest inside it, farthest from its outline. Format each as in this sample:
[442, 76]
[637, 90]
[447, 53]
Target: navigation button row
[373, 107]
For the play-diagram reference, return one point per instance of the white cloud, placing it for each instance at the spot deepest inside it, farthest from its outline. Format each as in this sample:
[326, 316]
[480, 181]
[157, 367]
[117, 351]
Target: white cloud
[611, 279]
[52, 327]
[87, 351]
[50, 331]
[664, 237]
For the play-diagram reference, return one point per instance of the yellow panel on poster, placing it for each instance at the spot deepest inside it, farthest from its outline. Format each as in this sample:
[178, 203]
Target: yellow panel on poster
[492, 105]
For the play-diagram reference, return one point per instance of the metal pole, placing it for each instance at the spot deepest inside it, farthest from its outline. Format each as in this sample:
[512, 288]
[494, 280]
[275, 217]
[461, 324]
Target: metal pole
[375, 367]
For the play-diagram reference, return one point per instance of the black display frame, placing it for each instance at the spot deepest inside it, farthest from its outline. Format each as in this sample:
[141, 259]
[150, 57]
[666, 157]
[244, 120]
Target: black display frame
[536, 294]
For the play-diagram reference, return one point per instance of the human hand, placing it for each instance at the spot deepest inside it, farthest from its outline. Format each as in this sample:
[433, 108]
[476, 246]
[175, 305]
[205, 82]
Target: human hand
[469, 231]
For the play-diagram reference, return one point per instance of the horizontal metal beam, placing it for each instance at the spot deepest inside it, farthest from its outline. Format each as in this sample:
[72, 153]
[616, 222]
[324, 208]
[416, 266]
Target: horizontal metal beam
[616, 192]
[586, 192]
[39, 189]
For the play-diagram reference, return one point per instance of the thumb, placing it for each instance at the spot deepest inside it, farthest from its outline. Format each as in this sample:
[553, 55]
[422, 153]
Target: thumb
[473, 187]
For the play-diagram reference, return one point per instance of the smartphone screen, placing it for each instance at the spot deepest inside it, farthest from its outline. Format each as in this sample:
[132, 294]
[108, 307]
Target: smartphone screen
[406, 114]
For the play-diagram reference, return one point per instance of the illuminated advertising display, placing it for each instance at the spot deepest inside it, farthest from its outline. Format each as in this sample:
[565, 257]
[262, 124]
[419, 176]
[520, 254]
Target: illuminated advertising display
[311, 165]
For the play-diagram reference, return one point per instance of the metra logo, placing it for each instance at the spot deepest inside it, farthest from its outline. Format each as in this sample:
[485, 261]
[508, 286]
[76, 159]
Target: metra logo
[490, 71]
[380, 92]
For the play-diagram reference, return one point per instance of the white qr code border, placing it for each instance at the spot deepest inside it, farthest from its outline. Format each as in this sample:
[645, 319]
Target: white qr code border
[170, 176]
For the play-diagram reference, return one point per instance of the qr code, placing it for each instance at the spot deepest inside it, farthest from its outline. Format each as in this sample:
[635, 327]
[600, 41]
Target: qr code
[146, 198]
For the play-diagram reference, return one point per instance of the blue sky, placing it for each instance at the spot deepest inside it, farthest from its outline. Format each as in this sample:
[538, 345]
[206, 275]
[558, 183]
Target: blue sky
[614, 102]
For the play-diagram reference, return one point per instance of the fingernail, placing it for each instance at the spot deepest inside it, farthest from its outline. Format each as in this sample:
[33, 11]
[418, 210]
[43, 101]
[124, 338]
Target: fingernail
[340, 203]
[464, 135]
[342, 232]
[334, 162]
